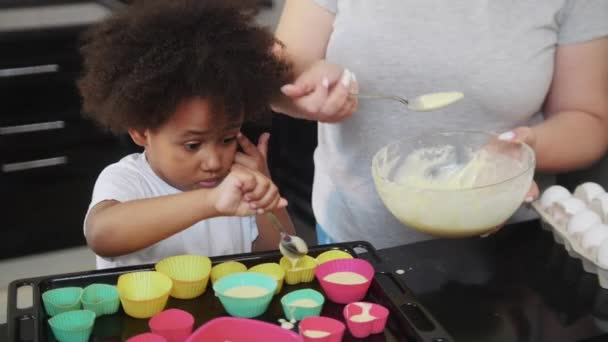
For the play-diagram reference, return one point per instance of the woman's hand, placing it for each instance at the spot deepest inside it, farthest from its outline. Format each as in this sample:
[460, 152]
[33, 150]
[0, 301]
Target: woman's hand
[323, 93]
[525, 135]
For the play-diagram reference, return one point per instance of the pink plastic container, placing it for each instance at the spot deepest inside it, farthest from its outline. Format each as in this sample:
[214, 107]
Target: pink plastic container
[364, 329]
[236, 329]
[174, 325]
[332, 326]
[345, 293]
[147, 337]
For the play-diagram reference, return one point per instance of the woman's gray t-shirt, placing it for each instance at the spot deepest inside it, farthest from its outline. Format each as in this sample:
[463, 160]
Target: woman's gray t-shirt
[499, 53]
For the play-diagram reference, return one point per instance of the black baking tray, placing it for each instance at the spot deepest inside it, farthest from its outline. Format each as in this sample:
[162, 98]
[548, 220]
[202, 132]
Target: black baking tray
[408, 320]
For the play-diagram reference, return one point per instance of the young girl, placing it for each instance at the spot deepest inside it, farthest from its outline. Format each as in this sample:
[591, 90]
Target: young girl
[180, 77]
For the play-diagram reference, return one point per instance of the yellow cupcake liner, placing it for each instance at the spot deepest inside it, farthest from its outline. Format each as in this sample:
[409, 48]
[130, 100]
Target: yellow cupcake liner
[144, 294]
[190, 274]
[225, 268]
[333, 254]
[272, 269]
[304, 271]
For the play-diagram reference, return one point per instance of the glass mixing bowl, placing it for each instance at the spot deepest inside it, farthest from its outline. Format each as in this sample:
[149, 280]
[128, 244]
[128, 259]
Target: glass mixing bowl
[453, 184]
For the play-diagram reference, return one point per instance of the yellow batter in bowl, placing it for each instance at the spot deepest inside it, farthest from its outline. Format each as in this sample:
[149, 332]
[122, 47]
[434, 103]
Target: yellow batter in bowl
[453, 184]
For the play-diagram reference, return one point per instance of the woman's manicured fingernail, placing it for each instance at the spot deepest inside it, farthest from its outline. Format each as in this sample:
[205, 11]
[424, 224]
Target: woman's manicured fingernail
[346, 77]
[510, 135]
[352, 74]
[325, 82]
[529, 199]
[260, 211]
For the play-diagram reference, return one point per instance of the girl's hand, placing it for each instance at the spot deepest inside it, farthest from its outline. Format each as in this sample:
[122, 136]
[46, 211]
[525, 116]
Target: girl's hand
[253, 157]
[323, 93]
[246, 192]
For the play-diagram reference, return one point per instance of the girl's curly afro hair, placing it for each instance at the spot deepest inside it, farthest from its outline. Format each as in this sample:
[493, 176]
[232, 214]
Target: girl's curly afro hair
[140, 63]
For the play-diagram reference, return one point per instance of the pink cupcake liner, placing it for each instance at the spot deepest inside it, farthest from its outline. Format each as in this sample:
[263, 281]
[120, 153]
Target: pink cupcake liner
[236, 329]
[174, 325]
[345, 293]
[147, 337]
[364, 329]
[332, 326]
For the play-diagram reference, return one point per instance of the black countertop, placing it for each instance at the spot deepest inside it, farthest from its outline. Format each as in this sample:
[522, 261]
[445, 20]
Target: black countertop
[517, 285]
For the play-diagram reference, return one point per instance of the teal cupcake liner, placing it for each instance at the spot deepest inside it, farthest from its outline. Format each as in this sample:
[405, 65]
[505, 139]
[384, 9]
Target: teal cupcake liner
[300, 312]
[73, 326]
[102, 299]
[245, 307]
[61, 300]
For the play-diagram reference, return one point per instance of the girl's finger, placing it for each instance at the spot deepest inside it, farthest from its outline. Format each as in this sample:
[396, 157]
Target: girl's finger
[263, 144]
[242, 159]
[248, 147]
[269, 200]
[256, 194]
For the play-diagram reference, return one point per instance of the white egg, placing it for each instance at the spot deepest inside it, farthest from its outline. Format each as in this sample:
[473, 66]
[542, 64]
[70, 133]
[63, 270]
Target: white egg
[580, 223]
[586, 192]
[600, 206]
[592, 239]
[553, 194]
[602, 255]
[563, 210]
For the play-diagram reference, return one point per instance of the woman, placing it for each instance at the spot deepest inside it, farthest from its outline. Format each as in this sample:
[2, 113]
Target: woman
[536, 71]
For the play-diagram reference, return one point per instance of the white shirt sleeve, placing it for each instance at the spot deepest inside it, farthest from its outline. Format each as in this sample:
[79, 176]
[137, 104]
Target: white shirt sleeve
[583, 20]
[117, 183]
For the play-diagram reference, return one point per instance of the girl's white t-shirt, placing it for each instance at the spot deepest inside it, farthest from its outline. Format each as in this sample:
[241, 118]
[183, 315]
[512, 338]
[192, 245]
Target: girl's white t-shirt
[131, 178]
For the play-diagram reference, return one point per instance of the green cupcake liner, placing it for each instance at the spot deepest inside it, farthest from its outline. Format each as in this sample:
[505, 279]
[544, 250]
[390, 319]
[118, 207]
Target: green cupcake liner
[300, 312]
[61, 300]
[102, 299]
[73, 326]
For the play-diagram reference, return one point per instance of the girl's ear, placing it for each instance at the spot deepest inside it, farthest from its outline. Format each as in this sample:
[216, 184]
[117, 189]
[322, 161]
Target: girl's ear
[139, 137]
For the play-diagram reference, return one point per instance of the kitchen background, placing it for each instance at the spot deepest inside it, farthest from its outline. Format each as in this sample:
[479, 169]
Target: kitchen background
[50, 156]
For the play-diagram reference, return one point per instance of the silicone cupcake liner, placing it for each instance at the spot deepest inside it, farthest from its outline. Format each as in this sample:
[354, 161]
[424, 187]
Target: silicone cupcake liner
[304, 271]
[245, 307]
[73, 326]
[345, 293]
[102, 299]
[225, 268]
[272, 269]
[190, 274]
[364, 329]
[147, 337]
[174, 325]
[144, 294]
[299, 312]
[332, 255]
[320, 324]
[61, 300]
[242, 330]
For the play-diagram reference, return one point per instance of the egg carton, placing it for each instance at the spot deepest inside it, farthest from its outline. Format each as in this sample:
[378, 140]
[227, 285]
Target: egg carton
[579, 222]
